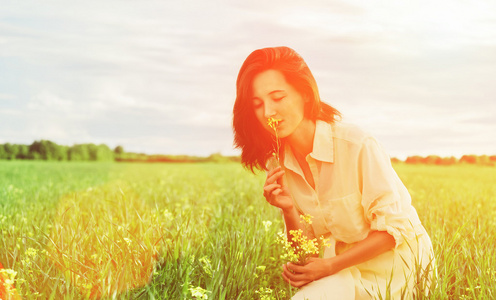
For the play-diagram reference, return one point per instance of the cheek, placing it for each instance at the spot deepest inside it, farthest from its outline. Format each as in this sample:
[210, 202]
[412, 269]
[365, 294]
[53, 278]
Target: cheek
[259, 114]
[301, 109]
[296, 110]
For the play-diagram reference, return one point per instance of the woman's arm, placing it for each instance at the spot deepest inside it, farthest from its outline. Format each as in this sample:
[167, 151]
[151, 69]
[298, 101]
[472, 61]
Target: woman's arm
[278, 195]
[293, 222]
[376, 243]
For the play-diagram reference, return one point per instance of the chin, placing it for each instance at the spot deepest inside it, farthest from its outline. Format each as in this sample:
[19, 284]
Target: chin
[282, 134]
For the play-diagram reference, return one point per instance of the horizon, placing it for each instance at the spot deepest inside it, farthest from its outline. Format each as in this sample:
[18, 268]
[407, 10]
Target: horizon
[238, 155]
[159, 77]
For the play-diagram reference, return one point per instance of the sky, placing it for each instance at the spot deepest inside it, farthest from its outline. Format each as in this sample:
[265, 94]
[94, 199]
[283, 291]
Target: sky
[158, 77]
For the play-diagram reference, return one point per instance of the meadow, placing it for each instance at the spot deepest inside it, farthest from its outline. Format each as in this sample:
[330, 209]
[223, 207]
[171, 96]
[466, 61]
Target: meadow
[76, 230]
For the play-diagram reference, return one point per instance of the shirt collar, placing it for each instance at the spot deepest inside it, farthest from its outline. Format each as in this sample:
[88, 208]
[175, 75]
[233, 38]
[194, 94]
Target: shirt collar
[323, 146]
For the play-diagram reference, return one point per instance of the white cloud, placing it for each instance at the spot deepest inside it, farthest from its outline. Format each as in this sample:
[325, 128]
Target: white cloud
[6, 96]
[47, 101]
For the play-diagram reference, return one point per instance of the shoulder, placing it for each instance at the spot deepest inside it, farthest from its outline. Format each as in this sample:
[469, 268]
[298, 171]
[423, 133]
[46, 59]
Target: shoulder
[350, 133]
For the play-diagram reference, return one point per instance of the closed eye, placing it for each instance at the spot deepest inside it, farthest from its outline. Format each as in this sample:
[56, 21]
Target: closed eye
[257, 103]
[277, 95]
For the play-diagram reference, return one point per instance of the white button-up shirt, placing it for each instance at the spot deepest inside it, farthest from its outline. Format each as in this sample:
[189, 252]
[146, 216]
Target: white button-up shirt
[356, 189]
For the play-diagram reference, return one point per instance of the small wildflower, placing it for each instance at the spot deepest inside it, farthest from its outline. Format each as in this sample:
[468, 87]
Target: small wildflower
[167, 214]
[87, 286]
[265, 293]
[274, 123]
[199, 293]
[267, 225]
[261, 268]
[9, 274]
[191, 259]
[31, 252]
[7, 280]
[325, 242]
[300, 248]
[128, 241]
[207, 265]
[306, 219]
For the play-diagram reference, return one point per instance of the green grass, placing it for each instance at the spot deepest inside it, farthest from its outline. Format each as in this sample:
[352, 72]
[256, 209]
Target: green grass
[457, 206]
[177, 231]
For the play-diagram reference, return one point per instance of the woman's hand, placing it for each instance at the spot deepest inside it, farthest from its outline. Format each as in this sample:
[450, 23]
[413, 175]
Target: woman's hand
[376, 243]
[314, 269]
[275, 192]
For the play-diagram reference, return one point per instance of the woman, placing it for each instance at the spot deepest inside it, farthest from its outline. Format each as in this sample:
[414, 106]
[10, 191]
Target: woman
[338, 174]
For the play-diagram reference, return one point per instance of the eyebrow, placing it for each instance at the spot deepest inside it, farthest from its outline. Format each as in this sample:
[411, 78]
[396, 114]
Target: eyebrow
[276, 91]
[271, 93]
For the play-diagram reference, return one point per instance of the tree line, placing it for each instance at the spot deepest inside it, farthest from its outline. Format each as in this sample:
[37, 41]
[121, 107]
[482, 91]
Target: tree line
[48, 150]
[472, 159]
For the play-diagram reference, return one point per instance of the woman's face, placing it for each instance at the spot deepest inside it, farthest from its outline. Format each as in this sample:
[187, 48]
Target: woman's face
[274, 97]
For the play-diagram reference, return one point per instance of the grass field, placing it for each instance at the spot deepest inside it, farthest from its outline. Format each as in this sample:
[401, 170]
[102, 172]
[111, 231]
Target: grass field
[192, 231]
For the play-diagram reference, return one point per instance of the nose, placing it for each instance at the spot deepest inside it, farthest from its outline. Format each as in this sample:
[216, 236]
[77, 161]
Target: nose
[269, 110]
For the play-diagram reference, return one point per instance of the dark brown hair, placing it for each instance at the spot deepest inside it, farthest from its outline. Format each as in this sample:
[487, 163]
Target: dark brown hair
[255, 142]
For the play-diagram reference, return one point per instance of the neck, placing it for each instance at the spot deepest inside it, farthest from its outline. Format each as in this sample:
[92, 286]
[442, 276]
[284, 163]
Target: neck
[301, 140]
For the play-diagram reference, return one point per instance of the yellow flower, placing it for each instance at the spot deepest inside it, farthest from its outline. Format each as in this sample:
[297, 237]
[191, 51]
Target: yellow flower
[199, 293]
[31, 252]
[306, 219]
[267, 225]
[9, 274]
[273, 123]
[300, 248]
[7, 279]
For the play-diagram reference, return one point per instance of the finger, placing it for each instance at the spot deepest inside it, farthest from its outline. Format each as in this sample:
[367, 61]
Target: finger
[276, 192]
[272, 171]
[274, 177]
[269, 189]
[312, 258]
[296, 268]
[295, 276]
[294, 283]
[271, 186]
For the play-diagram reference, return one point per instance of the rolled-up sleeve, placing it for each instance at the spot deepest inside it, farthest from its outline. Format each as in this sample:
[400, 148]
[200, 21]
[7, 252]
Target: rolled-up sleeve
[385, 200]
